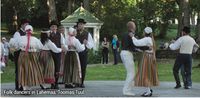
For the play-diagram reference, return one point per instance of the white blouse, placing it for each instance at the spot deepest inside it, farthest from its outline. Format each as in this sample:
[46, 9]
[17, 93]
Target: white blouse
[146, 41]
[21, 43]
[49, 45]
[76, 43]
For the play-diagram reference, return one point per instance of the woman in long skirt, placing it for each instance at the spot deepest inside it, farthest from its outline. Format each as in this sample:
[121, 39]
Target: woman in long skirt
[29, 69]
[147, 74]
[45, 57]
[72, 67]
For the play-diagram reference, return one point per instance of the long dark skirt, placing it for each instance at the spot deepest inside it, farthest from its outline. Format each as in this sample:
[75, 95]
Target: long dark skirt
[29, 69]
[72, 68]
[47, 64]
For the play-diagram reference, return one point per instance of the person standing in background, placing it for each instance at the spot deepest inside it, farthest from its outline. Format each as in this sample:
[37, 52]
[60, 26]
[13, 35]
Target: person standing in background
[105, 45]
[7, 48]
[115, 48]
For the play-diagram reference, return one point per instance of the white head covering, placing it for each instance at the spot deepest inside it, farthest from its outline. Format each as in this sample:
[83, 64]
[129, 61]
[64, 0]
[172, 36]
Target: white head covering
[148, 30]
[45, 31]
[29, 27]
[71, 31]
[3, 38]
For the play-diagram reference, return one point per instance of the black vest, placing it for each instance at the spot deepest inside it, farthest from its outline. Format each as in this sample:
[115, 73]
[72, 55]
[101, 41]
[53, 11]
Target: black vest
[127, 44]
[55, 38]
[82, 36]
[22, 33]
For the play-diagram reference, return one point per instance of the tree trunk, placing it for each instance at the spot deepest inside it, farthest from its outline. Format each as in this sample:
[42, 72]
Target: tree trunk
[186, 11]
[69, 7]
[86, 4]
[163, 30]
[193, 13]
[184, 15]
[52, 10]
[198, 29]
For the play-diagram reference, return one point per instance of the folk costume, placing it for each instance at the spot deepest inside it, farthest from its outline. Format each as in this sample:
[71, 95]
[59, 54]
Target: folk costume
[81, 36]
[72, 65]
[46, 59]
[29, 69]
[147, 73]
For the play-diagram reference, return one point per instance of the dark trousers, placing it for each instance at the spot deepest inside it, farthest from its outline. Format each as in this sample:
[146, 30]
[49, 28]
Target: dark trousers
[16, 56]
[116, 56]
[183, 74]
[57, 62]
[83, 61]
[105, 56]
[184, 60]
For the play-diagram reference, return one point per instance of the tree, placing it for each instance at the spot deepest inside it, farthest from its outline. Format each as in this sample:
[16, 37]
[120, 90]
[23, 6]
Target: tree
[52, 10]
[184, 15]
[167, 11]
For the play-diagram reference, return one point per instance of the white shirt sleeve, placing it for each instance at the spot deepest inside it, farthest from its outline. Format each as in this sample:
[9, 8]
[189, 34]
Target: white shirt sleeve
[65, 46]
[176, 45]
[62, 39]
[146, 41]
[79, 47]
[13, 43]
[90, 43]
[39, 44]
[16, 35]
[53, 47]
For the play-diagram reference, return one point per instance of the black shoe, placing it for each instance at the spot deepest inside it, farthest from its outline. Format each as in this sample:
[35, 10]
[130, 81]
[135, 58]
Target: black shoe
[52, 86]
[188, 87]
[69, 86]
[177, 86]
[151, 90]
[20, 89]
[82, 86]
[56, 86]
[42, 87]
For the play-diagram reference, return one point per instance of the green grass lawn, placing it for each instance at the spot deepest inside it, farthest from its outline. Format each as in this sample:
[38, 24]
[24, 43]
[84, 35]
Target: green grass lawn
[115, 72]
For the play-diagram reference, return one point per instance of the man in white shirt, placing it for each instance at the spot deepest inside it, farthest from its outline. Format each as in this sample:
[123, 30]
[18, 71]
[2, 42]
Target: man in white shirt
[185, 45]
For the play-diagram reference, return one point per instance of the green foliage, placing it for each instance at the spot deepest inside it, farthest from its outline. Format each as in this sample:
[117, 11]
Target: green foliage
[94, 57]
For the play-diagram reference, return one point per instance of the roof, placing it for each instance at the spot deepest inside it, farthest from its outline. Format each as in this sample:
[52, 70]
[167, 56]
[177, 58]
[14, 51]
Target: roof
[81, 13]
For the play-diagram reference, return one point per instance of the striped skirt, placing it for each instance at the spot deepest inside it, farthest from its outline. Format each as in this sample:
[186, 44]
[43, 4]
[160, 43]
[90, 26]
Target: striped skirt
[47, 64]
[29, 69]
[72, 68]
[147, 74]
[62, 67]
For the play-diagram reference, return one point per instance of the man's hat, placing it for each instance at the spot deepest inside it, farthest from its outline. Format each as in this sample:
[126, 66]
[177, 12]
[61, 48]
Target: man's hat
[54, 22]
[81, 21]
[23, 21]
